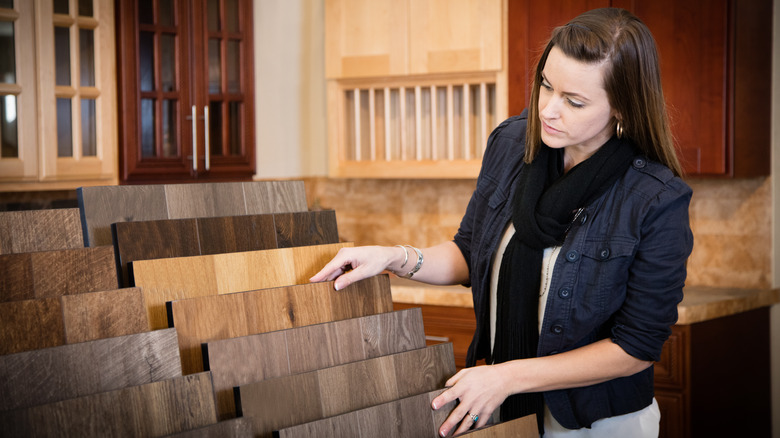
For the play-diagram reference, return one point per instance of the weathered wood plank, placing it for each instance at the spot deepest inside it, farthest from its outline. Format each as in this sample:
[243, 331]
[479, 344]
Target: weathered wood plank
[275, 197]
[153, 409]
[53, 374]
[233, 428]
[204, 200]
[30, 324]
[306, 228]
[40, 230]
[105, 314]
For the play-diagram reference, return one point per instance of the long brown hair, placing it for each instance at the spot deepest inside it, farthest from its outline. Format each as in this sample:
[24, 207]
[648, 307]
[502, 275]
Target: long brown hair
[632, 79]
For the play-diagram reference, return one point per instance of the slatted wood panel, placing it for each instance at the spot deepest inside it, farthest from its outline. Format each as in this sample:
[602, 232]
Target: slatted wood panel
[241, 360]
[407, 417]
[234, 428]
[204, 319]
[55, 273]
[102, 206]
[59, 373]
[524, 427]
[287, 401]
[153, 409]
[179, 278]
[48, 322]
[168, 238]
[40, 230]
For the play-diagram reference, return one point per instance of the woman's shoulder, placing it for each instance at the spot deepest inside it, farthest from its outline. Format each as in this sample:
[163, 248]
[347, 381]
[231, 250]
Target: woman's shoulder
[652, 178]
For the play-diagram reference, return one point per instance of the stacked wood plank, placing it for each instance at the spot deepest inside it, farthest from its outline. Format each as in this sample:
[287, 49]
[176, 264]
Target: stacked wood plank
[44, 230]
[227, 266]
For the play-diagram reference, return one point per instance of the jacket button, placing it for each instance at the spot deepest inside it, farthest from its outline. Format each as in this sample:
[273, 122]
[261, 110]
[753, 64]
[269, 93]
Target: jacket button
[639, 162]
[556, 329]
[583, 218]
[553, 352]
[604, 254]
[572, 256]
[564, 293]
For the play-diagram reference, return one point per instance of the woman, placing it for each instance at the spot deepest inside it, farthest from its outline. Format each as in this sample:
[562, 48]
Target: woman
[574, 243]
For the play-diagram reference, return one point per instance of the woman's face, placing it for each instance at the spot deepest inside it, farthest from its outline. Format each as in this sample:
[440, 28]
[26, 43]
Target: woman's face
[573, 107]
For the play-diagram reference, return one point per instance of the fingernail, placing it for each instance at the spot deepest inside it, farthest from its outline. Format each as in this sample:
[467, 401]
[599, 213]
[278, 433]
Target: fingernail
[434, 406]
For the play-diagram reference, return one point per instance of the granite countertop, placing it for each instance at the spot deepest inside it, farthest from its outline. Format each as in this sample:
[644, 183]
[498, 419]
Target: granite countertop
[699, 303]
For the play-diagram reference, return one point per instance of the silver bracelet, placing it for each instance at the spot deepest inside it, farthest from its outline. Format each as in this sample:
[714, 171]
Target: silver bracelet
[418, 265]
[406, 255]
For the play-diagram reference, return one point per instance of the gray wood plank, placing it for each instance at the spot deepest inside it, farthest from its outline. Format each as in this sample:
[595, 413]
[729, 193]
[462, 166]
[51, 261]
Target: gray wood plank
[233, 428]
[53, 374]
[153, 409]
[275, 197]
[341, 389]
[40, 230]
[204, 200]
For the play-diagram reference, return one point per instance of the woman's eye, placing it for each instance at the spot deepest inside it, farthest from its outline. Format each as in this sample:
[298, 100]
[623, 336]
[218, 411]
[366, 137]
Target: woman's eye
[575, 104]
[546, 86]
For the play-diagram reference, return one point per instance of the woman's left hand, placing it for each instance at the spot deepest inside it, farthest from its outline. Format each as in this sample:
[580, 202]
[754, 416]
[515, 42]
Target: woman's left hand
[481, 390]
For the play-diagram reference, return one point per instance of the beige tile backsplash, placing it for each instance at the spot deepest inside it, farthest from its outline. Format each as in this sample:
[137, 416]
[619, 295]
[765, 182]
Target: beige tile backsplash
[731, 220]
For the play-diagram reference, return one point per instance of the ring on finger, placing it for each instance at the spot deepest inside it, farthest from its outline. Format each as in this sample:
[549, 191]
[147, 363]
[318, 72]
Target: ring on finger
[474, 417]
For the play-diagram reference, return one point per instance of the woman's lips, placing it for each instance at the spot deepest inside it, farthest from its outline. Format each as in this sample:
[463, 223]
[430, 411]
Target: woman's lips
[549, 129]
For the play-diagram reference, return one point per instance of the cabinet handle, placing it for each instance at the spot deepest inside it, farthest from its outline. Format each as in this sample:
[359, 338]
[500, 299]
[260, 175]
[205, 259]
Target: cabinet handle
[206, 133]
[194, 138]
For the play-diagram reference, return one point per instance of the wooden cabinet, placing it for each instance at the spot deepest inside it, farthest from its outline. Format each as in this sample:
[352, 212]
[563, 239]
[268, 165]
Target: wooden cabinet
[185, 75]
[716, 69]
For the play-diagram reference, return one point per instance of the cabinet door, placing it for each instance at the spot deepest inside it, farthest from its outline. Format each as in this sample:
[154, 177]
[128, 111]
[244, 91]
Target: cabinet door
[366, 38]
[449, 36]
[186, 90]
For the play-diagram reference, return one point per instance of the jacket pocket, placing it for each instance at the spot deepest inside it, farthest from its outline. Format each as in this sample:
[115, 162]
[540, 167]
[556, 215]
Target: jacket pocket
[605, 268]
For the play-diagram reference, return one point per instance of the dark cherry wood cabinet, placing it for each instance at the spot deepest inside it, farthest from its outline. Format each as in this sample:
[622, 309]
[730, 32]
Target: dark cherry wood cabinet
[716, 69]
[186, 94]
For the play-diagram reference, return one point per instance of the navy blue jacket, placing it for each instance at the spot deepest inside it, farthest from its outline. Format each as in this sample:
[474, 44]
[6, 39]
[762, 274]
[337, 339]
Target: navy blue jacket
[620, 274]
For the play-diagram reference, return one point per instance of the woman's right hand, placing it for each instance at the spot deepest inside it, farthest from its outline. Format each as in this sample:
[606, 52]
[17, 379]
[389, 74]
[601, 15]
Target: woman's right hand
[354, 264]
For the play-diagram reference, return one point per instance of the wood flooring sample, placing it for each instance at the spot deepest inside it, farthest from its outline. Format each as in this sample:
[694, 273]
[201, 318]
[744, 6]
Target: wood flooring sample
[233, 428]
[153, 409]
[164, 280]
[105, 314]
[287, 401]
[53, 374]
[219, 235]
[40, 230]
[54, 273]
[204, 319]
[306, 228]
[524, 427]
[102, 206]
[407, 417]
[30, 324]
[242, 360]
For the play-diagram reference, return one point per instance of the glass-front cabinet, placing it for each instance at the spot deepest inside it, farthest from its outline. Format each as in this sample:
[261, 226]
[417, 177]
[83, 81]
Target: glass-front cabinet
[57, 94]
[186, 90]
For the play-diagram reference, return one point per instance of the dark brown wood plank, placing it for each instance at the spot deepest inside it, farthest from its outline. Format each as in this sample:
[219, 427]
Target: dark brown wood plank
[204, 200]
[30, 324]
[40, 230]
[242, 360]
[233, 428]
[220, 235]
[306, 228]
[274, 197]
[53, 374]
[153, 409]
[104, 314]
[16, 277]
[70, 271]
[204, 319]
[104, 205]
[339, 389]
[159, 239]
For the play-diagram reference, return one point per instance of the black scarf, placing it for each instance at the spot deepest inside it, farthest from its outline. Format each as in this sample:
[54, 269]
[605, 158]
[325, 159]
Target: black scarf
[543, 207]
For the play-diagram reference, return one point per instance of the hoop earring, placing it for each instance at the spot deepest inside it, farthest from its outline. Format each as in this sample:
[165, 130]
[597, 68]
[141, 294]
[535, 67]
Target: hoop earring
[619, 130]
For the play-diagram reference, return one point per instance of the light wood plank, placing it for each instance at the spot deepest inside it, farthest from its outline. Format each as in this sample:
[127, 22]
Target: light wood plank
[204, 319]
[40, 230]
[53, 374]
[105, 314]
[189, 277]
[273, 404]
[153, 409]
[241, 360]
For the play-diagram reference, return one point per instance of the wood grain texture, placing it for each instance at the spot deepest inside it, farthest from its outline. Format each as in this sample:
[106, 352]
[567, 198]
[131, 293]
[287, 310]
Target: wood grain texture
[172, 279]
[241, 360]
[153, 409]
[220, 235]
[524, 427]
[274, 404]
[306, 228]
[233, 428]
[199, 320]
[105, 314]
[40, 230]
[274, 197]
[406, 417]
[102, 206]
[55, 273]
[53, 374]
[30, 324]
